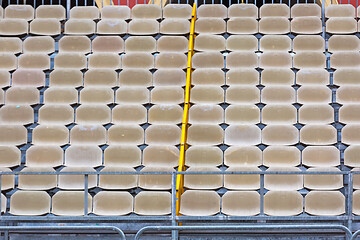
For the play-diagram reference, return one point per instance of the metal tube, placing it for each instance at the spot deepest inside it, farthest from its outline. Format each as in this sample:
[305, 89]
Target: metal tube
[86, 190]
[350, 200]
[68, 8]
[174, 233]
[261, 194]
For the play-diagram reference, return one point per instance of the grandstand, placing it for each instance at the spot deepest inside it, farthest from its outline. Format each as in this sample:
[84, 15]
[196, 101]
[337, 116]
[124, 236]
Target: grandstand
[179, 120]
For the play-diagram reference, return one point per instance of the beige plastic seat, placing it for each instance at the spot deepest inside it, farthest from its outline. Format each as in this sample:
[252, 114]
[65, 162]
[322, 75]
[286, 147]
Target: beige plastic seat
[356, 179]
[151, 11]
[113, 44]
[240, 203]
[241, 43]
[116, 12]
[162, 134]
[13, 27]
[349, 113]
[243, 156]
[167, 95]
[208, 76]
[8, 61]
[343, 10]
[242, 181]
[281, 156]
[325, 203]
[70, 60]
[93, 114]
[203, 156]
[283, 182]
[318, 135]
[122, 156]
[3, 203]
[321, 156]
[305, 10]
[138, 60]
[132, 95]
[152, 203]
[241, 60]
[143, 27]
[175, 26]
[345, 59]
[205, 134]
[100, 78]
[129, 114]
[323, 182]
[140, 44]
[88, 134]
[209, 114]
[79, 27]
[84, 12]
[7, 181]
[279, 114]
[76, 182]
[34, 60]
[242, 25]
[83, 156]
[169, 77]
[347, 94]
[199, 203]
[60, 95]
[40, 182]
[28, 77]
[10, 156]
[309, 76]
[283, 203]
[274, 10]
[242, 94]
[242, 135]
[70, 203]
[341, 25]
[212, 11]
[172, 44]
[346, 76]
[350, 134]
[50, 135]
[316, 114]
[210, 26]
[10, 45]
[242, 114]
[22, 95]
[66, 77]
[51, 11]
[274, 25]
[207, 181]
[43, 26]
[351, 156]
[44, 156]
[208, 42]
[165, 114]
[135, 77]
[208, 60]
[242, 76]
[118, 181]
[171, 60]
[271, 59]
[97, 95]
[335, 43]
[275, 43]
[277, 76]
[155, 182]
[25, 12]
[309, 60]
[318, 94]
[355, 205]
[41, 44]
[308, 43]
[306, 25]
[16, 114]
[243, 10]
[30, 203]
[207, 94]
[75, 44]
[278, 94]
[177, 11]
[106, 203]
[280, 135]
[111, 27]
[161, 156]
[104, 60]
[126, 134]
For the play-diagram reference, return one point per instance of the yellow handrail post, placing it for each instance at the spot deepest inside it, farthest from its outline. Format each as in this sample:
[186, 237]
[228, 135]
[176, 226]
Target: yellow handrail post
[185, 120]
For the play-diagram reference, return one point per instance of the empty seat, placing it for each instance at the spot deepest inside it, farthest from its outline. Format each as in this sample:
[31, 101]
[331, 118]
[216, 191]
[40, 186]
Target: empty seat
[61, 95]
[104, 60]
[138, 60]
[203, 181]
[156, 182]
[277, 76]
[243, 10]
[161, 156]
[41, 44]
[113, 44]
[349, 113]
[309, 43]
[240, 203]
[118, 181]
[171, 60]
[167, 95]
[203, 156]
[135, 77]
[355, 205]
[140, 44]
[275, 43]
[7, 181]
[351, 156]
[13, 135]
[205, 134]
[88, 134]
[350, 134]
[133, 95]
[106, 203]
[111, 27]
[306, 25]
[211, 114]
[343, 10]
[242, 135]
[97, 95]
[49, 27]
[116, 12]
[76, 182]
[172, 44]
[199, 203]
[208, 60]
[309, 76]
[8, 61]
[283, 203]
[346, 76]
[345, 59]
[169, 77]
[133, 113]
[10, 156]
[280, 135]
[28, 77]
[242, 114]
[207, 94]
[84, 12]
[11, 45]
[99, 77]
[314, 94]
[210, 26]
[34, 60]
[76, 44]
[25, 12]
[126, 134]
[151, 11]
[70, 60]
[281, 156]
[316, 114]
[242, 59]
[347, 94]
[242, 94]
[50, 135]
[16, 114]
[242, 181]
[51, 11]
[66, 77]
[152, 203]
[323, 182]
[175, 26]
[341, 25]
[275, 59]
[22, 95]
[325, 203]
[318, 135]
[240, 76]
[3, 203]
[279, 114]
[162, 134]
[242, 25]
[27, 203]
[243, 156]
[212, 11]
[70, 203]
[122, 156]
[208, 76]
[309, 60]
[283, 182]
[44, 156]
[335, 43]
[177, 11]
[208, 42]
[37, 182]
[274, 10]
[143, 27]
[83, 156]
[274, 25]
[79, 27]
[165, 114]
[13, 27]
[241, 43]
[278, 94]
[305, 10]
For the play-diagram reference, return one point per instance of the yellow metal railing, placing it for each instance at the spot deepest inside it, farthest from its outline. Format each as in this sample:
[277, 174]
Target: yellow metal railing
[185, 121]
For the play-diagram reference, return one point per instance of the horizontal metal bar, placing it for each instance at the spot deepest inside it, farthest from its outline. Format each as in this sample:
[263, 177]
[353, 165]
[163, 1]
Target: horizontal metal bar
[48, 219]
